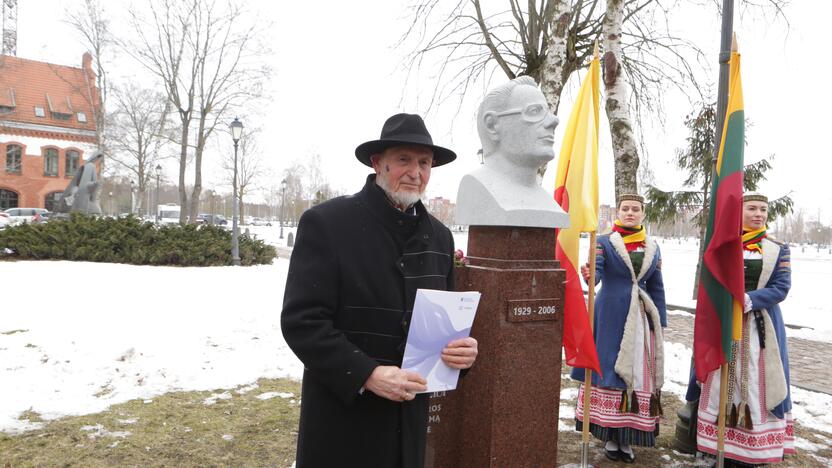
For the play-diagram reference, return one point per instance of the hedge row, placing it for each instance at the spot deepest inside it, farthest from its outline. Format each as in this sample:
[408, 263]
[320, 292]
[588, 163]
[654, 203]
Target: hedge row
[129, 240]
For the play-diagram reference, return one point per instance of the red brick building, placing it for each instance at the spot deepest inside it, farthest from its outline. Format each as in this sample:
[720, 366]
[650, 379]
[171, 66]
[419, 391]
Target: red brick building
[47, 128]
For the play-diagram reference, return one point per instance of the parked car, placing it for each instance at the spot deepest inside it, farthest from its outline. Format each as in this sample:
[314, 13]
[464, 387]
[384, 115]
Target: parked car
[4, 219]
[206, 218]
[24, 215]
[260, 222]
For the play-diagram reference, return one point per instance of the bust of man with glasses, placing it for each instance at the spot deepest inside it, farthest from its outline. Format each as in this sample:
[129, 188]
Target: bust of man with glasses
[517, 132]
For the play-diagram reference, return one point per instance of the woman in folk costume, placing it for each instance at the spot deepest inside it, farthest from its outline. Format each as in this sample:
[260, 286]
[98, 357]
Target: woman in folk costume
[625, 403]
[759, 424]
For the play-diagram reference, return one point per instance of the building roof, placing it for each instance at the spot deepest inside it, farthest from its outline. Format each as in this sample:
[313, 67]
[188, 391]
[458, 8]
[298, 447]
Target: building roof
[39, 98]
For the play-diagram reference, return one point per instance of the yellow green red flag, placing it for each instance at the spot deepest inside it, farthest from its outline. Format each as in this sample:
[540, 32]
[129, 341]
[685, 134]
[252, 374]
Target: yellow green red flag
[721, 284]
[576, 191]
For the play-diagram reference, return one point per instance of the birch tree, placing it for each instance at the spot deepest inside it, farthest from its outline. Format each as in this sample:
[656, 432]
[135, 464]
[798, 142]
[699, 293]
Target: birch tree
[250, 169]
[139, 134]
[208, 57]
[616, 104]
[551, 39]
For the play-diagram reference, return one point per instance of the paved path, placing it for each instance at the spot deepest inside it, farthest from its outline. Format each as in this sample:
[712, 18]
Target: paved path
[807, 359]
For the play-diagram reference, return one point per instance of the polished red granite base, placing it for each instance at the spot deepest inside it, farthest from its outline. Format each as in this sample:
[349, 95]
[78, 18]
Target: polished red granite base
[505, 411]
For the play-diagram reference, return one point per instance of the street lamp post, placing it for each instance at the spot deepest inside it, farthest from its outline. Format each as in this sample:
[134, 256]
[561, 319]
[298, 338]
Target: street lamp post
[158, 177]
[282, 204]
[132, 198]
[236, 134]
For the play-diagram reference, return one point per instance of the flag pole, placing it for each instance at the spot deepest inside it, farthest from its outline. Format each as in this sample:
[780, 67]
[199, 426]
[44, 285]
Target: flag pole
[725, 41]
[590, 306]
[588, 372]
[723, 369]
[723, 396]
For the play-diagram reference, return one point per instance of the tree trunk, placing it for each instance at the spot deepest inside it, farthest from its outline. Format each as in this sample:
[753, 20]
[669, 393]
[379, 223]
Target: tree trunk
[625, 150]
[140, 194]
[703, 226]
[183, 164]
[555, 71]
[197, 191]
[241, 204]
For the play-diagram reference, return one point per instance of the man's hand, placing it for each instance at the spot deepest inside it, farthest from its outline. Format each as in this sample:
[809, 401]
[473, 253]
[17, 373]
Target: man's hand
[461, 353]
[395, 384]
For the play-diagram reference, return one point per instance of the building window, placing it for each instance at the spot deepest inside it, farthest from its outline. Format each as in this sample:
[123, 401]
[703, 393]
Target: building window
[6, 109]
[72, 161]
[52, 200]
[82, 117]
[40, 111]
[61, 116]
[8, 199]
[14, 155]
[50, 162]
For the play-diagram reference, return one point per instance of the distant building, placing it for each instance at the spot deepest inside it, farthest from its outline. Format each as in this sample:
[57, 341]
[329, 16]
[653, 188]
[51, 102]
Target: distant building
[442, 209]
[606, 217]
[47, 128]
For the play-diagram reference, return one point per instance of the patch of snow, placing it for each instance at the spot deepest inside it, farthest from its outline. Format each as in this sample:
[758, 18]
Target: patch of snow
[228, 437]
[216, 396]
[127, 421]
[812, 409]
[804, 444]
[98, 430]
[270, 395]
[245, 389]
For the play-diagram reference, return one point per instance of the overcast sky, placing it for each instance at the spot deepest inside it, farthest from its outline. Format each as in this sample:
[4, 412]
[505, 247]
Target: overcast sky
[338, 76]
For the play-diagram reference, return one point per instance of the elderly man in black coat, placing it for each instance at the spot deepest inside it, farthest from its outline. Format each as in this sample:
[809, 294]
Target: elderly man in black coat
[352, 281]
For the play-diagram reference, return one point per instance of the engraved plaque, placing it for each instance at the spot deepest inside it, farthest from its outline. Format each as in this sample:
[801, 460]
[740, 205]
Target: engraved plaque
[532, 310]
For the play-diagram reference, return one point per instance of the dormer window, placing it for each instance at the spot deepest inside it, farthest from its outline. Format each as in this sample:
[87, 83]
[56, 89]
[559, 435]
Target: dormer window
[59, 109]
[82, 117]
[7, 103]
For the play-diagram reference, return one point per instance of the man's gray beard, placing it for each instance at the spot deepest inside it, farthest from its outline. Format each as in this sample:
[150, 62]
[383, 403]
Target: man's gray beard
[404, 198]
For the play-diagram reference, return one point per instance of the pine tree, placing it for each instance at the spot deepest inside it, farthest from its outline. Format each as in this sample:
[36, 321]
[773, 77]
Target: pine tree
[697, 160]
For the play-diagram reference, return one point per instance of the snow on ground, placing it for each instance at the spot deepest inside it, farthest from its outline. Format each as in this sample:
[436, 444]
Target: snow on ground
[121, 332]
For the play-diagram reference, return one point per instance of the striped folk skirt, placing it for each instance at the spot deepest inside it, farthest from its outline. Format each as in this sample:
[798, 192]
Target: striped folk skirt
[767, 438]
[607, 422]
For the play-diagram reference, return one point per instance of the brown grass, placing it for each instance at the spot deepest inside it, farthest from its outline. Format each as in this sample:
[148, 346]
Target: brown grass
[173, 430]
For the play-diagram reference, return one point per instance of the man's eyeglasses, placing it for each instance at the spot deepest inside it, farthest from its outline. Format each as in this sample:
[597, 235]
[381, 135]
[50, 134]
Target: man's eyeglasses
[532, 113]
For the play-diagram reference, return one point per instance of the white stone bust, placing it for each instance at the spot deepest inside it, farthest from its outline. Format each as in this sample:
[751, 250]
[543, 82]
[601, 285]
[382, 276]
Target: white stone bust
[517, 133]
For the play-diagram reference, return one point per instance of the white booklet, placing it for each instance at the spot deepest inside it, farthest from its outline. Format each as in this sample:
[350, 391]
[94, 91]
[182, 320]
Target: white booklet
[439, 317]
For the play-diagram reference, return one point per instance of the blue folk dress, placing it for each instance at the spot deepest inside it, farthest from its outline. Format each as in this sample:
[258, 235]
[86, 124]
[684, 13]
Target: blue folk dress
[629, 317]
[759, 369]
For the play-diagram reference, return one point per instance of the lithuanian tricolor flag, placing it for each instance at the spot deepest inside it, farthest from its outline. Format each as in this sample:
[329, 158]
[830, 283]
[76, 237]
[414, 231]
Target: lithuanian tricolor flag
[576, 191]
[721, 292]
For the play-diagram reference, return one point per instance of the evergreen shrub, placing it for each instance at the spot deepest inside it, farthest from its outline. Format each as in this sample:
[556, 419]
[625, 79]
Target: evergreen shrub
[129, 240]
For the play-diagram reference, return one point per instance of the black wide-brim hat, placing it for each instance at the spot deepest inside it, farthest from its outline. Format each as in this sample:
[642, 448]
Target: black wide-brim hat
[403, 129]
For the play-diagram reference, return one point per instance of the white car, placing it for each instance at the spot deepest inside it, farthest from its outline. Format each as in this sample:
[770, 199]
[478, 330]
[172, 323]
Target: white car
[260, 222]
[24, 215]
[4, 219]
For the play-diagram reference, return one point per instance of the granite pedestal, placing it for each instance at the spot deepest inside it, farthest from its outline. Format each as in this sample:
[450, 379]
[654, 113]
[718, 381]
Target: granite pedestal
[504, 413]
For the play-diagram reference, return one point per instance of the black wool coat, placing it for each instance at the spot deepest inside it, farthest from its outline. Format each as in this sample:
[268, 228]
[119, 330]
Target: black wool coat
[352, 281]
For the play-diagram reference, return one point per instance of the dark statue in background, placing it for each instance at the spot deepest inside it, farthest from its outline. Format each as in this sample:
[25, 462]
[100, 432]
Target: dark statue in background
[81, 195]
